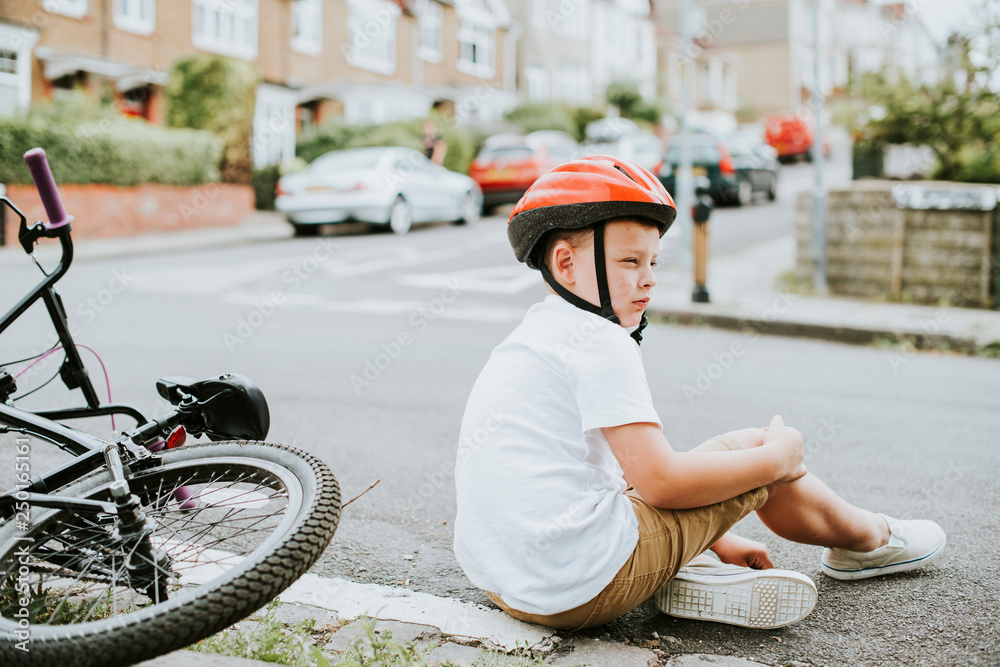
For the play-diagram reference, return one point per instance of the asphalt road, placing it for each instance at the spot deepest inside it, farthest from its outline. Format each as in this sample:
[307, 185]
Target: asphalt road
[366, 346]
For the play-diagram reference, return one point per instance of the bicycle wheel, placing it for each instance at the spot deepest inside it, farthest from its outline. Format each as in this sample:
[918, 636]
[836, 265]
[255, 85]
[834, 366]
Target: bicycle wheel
[248, 520]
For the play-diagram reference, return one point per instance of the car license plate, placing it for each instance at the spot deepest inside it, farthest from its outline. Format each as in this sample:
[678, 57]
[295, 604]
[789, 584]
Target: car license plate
[696, 171]
[319, 188]
[500, 174]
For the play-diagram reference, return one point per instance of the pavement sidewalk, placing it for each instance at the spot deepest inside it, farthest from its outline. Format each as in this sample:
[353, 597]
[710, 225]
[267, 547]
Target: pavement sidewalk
[438, 631]
[748, 289]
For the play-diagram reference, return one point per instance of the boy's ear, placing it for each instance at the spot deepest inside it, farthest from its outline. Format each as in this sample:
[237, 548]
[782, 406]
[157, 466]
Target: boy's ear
[562, 263]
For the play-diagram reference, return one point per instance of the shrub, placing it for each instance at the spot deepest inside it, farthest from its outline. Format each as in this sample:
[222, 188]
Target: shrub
[534, 116]
[265, 181]
[333, 135]
[582, 117]
[209, 92]
[107, 148]
[338, 135]
[624, 95]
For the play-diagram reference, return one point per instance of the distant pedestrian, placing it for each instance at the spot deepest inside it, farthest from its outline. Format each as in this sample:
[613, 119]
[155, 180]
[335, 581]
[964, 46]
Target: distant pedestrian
[572, 506]
[434, 144]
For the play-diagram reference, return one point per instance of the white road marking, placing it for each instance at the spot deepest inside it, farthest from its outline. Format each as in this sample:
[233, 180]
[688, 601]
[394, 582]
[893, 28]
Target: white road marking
[495, 280]
[409, 257]
[350, 600]
[381, 307]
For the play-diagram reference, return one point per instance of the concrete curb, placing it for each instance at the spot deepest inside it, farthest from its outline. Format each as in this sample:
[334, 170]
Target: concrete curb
[920, 340]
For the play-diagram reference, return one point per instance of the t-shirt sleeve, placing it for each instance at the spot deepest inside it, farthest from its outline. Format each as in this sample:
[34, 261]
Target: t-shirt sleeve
[609, 382]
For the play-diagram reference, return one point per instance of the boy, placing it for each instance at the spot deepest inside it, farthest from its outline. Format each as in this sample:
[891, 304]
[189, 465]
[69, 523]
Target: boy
[572, 507]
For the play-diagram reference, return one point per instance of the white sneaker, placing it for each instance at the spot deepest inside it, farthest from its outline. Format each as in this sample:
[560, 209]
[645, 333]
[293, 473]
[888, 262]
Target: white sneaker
[708, 590]
[912, 544]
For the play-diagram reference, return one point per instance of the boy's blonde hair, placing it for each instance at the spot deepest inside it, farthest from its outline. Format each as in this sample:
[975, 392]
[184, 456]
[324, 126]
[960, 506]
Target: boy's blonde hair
[579, 238]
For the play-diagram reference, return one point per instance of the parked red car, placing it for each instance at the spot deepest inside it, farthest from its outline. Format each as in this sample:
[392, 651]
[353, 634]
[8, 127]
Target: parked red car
[508, 164]
[791, 135]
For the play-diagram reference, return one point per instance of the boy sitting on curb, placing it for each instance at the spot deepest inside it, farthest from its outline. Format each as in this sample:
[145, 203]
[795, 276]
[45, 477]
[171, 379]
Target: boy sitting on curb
[576, 509]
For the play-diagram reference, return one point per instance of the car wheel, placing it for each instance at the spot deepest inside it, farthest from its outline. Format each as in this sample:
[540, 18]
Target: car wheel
[400, 217]
[772, 191]
[300, 229]
[471, 210]
[744, 192]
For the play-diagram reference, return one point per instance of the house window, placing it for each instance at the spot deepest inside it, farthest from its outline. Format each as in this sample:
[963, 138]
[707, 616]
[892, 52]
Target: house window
[16, 44]
[704, 82]
[476, 54]
[228, 27]
[431, 30]
[538, 11]
[8, 62]
[570, 20]
[573, 83]
[307, 26]
[75, 8]
[136, 15]
[9, 83]
[371, 25]
[537, 80]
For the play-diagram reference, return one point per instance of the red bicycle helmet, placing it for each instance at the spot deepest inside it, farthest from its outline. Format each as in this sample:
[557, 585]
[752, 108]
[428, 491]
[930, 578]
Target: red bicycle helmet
[581, 193]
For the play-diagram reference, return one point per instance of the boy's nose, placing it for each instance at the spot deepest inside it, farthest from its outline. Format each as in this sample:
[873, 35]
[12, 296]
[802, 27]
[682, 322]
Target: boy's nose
[649, 278]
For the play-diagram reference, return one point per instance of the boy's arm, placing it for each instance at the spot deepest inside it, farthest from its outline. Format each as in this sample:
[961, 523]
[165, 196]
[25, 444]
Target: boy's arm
[737, 550]
[680, 480]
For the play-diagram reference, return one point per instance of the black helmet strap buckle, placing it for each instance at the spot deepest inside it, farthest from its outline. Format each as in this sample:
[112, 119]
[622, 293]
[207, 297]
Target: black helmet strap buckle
[605, 310]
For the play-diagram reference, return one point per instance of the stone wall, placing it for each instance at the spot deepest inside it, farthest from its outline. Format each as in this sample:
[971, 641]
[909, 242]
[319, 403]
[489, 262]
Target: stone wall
[879, 250]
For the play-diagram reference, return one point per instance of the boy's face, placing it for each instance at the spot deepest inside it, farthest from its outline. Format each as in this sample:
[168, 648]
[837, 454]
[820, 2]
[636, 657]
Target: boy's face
[631, 250]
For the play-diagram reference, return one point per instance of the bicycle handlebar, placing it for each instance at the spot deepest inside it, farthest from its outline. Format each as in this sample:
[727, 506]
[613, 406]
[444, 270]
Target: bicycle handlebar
[46, 186]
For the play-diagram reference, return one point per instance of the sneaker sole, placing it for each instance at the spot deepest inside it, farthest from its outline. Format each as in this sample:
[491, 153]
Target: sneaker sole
[865, 573]
[760, 599]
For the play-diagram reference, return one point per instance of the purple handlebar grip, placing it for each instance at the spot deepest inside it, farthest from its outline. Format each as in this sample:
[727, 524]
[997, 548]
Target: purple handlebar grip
[46, 186]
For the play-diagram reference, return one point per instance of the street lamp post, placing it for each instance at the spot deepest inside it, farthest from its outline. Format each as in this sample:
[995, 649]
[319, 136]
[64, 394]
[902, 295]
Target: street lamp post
[683, 181]
[819, 192]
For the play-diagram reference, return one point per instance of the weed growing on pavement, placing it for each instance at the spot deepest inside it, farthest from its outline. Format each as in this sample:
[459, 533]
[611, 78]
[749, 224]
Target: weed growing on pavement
[991, 350]
[521, 656]
[794, 283]
[378, 648]
[269, 640]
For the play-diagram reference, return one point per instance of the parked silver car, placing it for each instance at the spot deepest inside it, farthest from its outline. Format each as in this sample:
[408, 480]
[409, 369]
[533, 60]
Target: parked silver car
[393, 186]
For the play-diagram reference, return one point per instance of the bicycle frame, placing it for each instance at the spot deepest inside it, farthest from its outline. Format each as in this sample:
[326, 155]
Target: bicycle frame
[74, 373]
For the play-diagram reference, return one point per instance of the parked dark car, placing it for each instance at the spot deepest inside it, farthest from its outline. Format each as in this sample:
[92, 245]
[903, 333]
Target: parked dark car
[755, 161]
[728, 173]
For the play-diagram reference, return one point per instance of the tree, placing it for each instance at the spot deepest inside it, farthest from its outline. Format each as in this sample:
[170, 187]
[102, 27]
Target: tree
[957, 116]
[209, 92]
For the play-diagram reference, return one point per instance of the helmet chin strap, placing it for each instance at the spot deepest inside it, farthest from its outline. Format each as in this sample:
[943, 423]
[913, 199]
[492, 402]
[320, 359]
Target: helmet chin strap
[605, 310]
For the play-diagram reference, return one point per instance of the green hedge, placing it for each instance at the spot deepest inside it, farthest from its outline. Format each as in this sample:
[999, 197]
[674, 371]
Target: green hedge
[115, 151]
[338, 135]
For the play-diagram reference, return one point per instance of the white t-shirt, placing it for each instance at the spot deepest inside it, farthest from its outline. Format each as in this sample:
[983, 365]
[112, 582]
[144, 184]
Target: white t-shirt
[542, 520]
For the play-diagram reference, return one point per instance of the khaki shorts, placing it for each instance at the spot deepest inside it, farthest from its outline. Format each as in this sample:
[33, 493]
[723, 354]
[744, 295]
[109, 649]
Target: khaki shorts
[668, 539]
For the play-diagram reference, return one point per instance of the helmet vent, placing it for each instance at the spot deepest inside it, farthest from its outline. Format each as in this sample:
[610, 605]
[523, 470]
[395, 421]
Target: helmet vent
[628, 175]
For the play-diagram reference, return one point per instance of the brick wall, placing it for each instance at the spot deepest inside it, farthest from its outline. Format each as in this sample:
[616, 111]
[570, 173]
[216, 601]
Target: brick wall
[102, 211]
[876, 250]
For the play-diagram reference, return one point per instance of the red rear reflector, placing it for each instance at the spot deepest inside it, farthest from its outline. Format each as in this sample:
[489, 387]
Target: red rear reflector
[177, 438]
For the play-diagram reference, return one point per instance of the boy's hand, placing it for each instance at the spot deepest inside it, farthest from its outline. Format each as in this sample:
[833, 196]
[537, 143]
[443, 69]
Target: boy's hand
[786, 442]
[737, 550]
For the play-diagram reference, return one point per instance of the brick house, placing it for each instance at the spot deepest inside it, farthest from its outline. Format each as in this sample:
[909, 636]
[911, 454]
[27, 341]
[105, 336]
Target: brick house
[570, 50]
[365, 60]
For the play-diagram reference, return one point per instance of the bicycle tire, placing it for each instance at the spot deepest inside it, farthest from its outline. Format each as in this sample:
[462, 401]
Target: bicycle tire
[194, 610]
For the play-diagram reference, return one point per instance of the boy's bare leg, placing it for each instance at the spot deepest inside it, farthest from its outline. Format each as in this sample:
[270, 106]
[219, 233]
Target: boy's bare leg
[809, 512]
